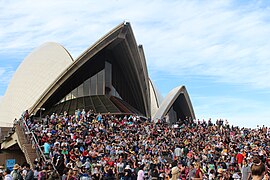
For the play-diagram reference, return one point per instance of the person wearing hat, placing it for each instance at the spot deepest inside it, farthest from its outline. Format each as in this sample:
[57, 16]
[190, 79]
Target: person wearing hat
[16, 172]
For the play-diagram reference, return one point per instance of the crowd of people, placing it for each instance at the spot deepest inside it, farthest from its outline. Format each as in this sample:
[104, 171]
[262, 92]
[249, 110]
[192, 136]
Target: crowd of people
[85, 145]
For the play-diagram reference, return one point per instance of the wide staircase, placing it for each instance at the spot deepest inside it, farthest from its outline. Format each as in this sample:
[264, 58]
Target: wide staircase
[25, 140]
[29, 144]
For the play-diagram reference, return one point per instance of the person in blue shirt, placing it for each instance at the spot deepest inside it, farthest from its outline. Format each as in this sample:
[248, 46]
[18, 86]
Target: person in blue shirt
[47, 147]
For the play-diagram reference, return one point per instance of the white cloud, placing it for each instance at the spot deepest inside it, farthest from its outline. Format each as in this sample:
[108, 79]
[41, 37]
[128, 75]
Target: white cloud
[201, 38]
[226, 43]
[223, 41]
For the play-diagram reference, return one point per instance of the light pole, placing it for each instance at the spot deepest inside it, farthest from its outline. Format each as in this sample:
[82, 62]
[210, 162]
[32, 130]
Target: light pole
[40, 112]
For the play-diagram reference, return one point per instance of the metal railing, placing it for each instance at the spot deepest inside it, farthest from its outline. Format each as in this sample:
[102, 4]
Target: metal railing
[31, 139]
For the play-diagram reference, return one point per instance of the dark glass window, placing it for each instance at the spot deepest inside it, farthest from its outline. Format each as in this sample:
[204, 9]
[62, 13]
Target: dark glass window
[74, 93]
[86, 88]
[93, 85]
[100, 83]
[80, 91]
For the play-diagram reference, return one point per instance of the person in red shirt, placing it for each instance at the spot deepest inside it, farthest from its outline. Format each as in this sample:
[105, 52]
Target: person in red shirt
[239, 158]
[198, 174]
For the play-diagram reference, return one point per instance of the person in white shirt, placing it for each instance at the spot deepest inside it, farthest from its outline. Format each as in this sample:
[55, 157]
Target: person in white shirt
[7, 175]
[140, 173]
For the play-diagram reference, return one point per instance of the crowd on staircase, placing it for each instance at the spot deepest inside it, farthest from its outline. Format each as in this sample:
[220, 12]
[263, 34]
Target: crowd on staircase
[85, 145]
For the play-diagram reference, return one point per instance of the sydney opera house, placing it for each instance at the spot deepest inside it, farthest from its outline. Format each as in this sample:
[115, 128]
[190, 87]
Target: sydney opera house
[110, 76]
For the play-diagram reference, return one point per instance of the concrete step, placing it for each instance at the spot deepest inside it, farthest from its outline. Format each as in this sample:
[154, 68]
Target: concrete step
[30, 153]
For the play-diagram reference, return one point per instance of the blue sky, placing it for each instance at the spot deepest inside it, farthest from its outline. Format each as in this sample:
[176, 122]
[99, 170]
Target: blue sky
[219, 49]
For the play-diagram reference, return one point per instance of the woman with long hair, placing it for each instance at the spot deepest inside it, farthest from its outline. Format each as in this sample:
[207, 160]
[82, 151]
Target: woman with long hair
[198, 174]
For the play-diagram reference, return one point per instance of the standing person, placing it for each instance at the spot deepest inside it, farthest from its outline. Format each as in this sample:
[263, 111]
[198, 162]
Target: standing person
[192, 172]
[7, 175]
[198, 173]
[1, 174]
[240, 158]
[178, 152]
[29, 173]
[15, 173]
[155, 173]
[127, 172]
[60, 164]
[141, 173]
[212, 174]
[246, 171]
[47, 147]
[120, 169]
[175, 171]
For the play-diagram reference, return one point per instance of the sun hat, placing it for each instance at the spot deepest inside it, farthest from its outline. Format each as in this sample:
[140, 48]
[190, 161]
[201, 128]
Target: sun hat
[16, 166]
[220, 170]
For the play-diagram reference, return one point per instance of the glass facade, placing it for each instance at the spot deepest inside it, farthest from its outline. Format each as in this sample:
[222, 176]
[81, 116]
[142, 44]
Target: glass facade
[93, 85]
[108, 78]
[99, 84]
[86, 88]
[74, 93]
[80, 91]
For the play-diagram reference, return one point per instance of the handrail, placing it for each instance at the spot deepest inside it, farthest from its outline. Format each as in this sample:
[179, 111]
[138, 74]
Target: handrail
[27, 132]
[40, 152]
[36, 142]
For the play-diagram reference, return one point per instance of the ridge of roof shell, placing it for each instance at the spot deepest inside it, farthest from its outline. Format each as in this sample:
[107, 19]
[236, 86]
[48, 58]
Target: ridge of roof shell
[33, 76]
[120, 34]
[51, 65]
[170, 99]
[116, 29]
[156, 98]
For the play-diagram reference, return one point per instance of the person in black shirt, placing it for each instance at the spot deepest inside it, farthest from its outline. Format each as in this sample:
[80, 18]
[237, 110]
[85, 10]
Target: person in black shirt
[127, 173]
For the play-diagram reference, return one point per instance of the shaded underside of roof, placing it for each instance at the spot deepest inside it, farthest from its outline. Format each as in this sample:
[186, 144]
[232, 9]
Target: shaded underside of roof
[118, 47]
[97, 104]
[179, 100]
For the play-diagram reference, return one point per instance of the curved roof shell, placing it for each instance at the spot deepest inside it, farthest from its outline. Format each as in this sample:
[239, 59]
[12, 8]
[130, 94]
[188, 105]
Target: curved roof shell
[184, 103]
[35, 74]
[49, 73]
[120, 44]
[156, 98]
